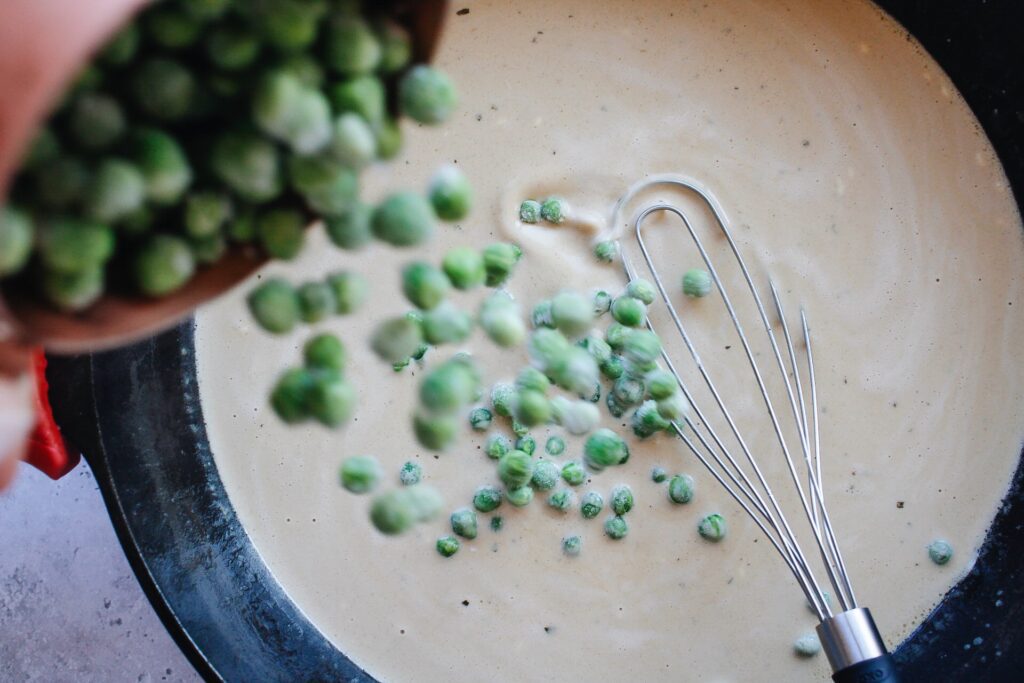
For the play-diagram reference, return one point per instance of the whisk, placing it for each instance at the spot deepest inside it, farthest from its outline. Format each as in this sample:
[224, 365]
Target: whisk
[849, 637]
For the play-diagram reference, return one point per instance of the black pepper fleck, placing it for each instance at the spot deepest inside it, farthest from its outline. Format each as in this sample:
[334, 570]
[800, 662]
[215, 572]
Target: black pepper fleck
[463, 12]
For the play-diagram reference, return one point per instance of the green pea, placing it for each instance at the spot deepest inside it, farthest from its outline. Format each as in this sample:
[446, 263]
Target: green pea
[325, 352]
[16, 237]
[446, 324]
[596, 347]
[499, 261]
[117, 190]
[561, 500]
[555, 445]
[425, 501]
[605, 448]
[527, 444]
[360, 473]
[206, 9]
[660, 384]
[447, 546]
[940, 551]
[497, 446]
[350, 228]
[249, 165]
[629, 311]
[612, 368]
[578, 417]
[275, 306]
[807, 645]
[642, 347]
[573, 473]
[331, 399]
[628, 390]
[280, 232]
[450, 194]
[575, 371]
[607, 251]
[362, 95]
[621, 499]
[616, 528]
[529, 211]
[532, 408]
[165, 264]
[410, 474]
[403, 219]
[396, 339]
[162, 162]
[350, 291]
[424, 285]
[232, 47]
[426, 95]
[208, 250]
[389, 138]
[503, 398]
[641, 289]
[96, 121]
[172, 27]
[697, 283]
[316, 301]
[395, 45]
[464, 268]
[289, 399]
[121, 49]
[288, 25]
[520, 497]
[554, 210]
[292, 113]
[480, 419]
[541, 315]
[675, 408]
[571, 545]
[519, 429]
[591, 504]
[393, 512]
[352, 48]
[329, 187]
[73, 291]
[680, 489]
[647, 421]
[206, 213]
[354, 142]
[447, 387]
[515, 469]
[602, 302]
[164, 89]
[464, 523]
[658, 475]
[712, 527]
[616, 336]
[61, 182]
[545, 475]
[532, 379]
[487, 498]
[68, 245]
[305, 67]
[572, 313]
[436, 432]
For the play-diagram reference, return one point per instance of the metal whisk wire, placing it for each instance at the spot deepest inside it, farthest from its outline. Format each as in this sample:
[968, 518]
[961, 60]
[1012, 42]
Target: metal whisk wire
[850, 637]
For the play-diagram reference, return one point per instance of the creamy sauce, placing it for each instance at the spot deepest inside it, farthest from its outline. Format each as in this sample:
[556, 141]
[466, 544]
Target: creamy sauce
[852, 173]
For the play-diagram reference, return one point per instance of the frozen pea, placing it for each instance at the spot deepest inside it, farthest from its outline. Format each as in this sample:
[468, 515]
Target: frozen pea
[316, 301]
[828, 600]
[331, 399]
[696, 283]
[395, 47]
[121, 49]
[591, 504]
[712, 527]
[597, 347]
[612, 368]
[389, 138]
[305, 67]
[621, 499]
[425, 501]
[248, 164]
[362, 95]
[140, 222]
[532, 379]
[60, 182]
[807, 645]
[660, 384]
[352, 47]
[675, 408]
[571, 545]
[289, 398]
[73, 291]
[427, 95]
[424, 285]
[403, 219]
[292, 113]
[642, 290]
[96, 120]
[527, 444]
[607, 251]
[628, 390]
[353, 142]
[464, 523]
[396, 339]
[680, 489]
[360, 473]
[232, 46]
[529, 211]
[520, 497]
[350, 228]
[545, 475]
[117, 189]
[616, 528]
[447, 546]
[163, 265]
[393, 512]
[594, 395]
[350, 290]
[447, 387]
[450, 194]
[446, 324]
[602, 302]
[541, 314]
[288, 25]
[497, 445]
[411, 473]
[658, 475]
[206, 213]
[499, 261]
[629, 311]
[940, 551]
[436, 432]
[16, 237]
[480, 419]
[515, 469]
[575, 371]
[572, 313]
[280, 232]
[208, 250]
[503, 398]
[464, 268]
[647, 421]
[519, 429]
[561, 500]
[324, 351]
[616, 336]
[577, 417]
[500, 319]
[206, 9]
[164, 89]
[642, 347]
[554, 210]
[172, 27]
[329, 187]
[573, 473]
[605, 448]
[487, 498]
[532, 408]
[555, 445]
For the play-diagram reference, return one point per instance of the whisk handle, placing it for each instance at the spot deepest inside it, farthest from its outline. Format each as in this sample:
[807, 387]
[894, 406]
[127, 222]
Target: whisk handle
[878, 670]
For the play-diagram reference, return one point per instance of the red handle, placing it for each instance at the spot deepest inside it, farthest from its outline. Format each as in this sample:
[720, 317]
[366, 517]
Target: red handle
[47, 450]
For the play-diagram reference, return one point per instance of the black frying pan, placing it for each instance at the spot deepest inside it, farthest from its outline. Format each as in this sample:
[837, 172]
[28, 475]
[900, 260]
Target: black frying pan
[136, 415]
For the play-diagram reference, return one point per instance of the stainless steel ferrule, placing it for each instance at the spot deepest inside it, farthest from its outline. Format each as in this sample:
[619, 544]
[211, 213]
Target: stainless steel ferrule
[849, 638]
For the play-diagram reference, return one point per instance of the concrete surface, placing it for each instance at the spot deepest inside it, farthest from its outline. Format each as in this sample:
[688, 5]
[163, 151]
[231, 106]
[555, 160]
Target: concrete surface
[70, 608]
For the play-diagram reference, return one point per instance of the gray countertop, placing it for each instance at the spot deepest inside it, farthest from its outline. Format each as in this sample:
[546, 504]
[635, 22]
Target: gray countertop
[70, 607]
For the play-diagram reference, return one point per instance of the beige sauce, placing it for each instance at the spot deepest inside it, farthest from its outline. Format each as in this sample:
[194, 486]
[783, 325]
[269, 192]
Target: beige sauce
[852, 173]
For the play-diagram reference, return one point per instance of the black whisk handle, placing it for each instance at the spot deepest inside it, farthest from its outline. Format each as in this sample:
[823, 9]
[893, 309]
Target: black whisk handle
[877, 670]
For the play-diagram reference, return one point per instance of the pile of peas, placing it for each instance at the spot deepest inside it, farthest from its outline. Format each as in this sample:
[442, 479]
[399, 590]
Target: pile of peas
[210, 122]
